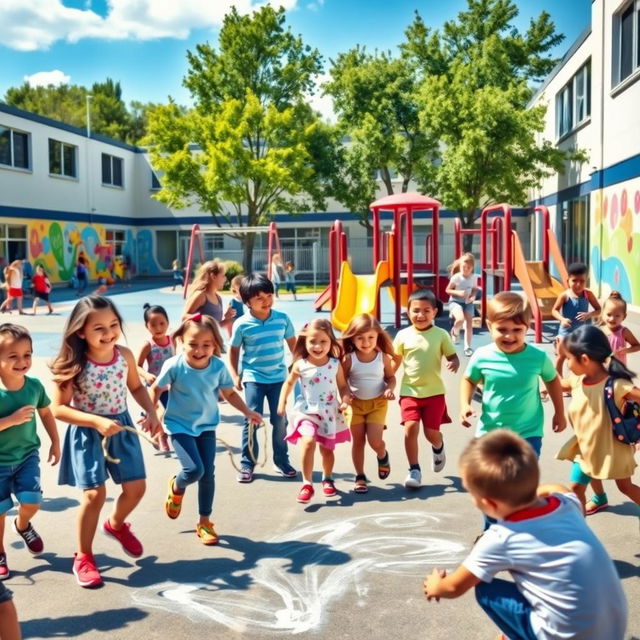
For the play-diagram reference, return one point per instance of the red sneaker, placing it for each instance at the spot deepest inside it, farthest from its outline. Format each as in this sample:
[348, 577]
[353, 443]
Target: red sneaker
[306, 493]
[329, 488]
[85, 570]
[32, 540]
[4, 569]
[130, 544]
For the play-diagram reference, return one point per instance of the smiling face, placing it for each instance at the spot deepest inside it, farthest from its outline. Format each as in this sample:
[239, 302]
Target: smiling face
[366, 342]
[261, 304]
[198, 343]
[421, 314]
[318, 344]
[157, 325]
[15, 358]
[466, 268]
[102, 331]
[613, 314]
[508, 336]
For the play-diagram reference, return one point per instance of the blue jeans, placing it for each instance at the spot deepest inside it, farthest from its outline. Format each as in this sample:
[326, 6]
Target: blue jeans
[255, 394]
[197, 457]
[507, 607]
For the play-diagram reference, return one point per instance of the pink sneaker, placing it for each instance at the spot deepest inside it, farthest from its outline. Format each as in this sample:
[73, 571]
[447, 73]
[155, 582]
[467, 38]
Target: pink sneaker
[329, 488]
[130, 544]
[85, 570]
[4, 569]
[306, 493]
[32, 540]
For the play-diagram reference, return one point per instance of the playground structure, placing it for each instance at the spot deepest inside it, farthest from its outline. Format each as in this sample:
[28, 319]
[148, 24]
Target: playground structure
[197, 233]
[504, 260]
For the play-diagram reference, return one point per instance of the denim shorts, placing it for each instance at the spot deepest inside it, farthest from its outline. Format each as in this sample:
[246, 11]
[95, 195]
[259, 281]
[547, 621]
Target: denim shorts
[467, 307]
[22, 480]
[83, 463]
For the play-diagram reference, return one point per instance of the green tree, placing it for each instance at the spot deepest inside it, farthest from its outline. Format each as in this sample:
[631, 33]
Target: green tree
[259, 148]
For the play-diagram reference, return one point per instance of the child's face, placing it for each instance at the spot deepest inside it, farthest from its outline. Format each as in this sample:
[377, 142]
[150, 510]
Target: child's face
[15, 358]
[366, 342]
[578, 365]
[317, 343]
[467, 269]
[577, 283]
[101, 330]
[198, 346]
[217, 280]
[157, 325]
[421, 314]
[261, 303]
[613, 315]
[508, 336]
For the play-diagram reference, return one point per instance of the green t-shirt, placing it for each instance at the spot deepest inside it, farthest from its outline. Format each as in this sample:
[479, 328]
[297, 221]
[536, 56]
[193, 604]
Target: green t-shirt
[19, 441]
[510, 388]
[422, 352]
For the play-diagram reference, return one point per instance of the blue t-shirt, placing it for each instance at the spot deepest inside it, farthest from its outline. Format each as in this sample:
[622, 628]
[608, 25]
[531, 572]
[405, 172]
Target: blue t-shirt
[193, 397]
[262, 343]
[237, 306]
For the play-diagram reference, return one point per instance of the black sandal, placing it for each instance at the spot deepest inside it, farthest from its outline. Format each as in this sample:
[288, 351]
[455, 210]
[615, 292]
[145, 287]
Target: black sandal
[361, 484]
[384, 468]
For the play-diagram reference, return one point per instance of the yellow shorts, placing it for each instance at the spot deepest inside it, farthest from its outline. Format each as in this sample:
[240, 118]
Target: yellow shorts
[372, 411]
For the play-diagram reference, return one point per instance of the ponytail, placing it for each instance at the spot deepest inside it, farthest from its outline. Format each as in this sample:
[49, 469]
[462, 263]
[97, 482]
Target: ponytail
[617, 369]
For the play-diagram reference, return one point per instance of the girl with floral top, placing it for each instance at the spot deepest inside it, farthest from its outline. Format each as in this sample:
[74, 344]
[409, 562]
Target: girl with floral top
[92, 374]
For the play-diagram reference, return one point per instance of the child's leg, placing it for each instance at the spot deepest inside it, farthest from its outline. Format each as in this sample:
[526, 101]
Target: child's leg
[126, 502]
[468, 329]
[560, 356]
[328, 460]
[279, 427]
[358, 439]
[458, 318]
[411, 430]
[308, 444]
[375, 439]
[9, 626]
[579, 482]
[88, 515]
[434, 437]
[25, 513]
[254, 394]
[3, 519]
[507, 607]
[188, 453]
[206, 443]
[629, 489]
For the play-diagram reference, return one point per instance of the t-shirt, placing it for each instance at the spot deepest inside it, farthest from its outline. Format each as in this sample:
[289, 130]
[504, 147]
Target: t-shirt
[510, 388]
[422, 352]
[41, 283]
[460, 283]
[193, 397]
[262, 343]
[20, 441]
[560, 567]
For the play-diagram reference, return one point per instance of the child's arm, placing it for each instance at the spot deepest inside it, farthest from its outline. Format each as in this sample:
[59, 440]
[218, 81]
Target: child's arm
[234, 359]
[142, 358]
[286, 388]
[51, 428]
[440, 585]
[234, 399]
[19, 416]
[634, 394]
[291, 343]
[556, 311]
[150, 421]
[453, 291]
[389, 376]
[467, 387]
[631, 340]
[453, 362]
[343, 388]
[193, 304]
[554, 389]
[156, 391]
[63, 411]
[565, 385]
[593, 301]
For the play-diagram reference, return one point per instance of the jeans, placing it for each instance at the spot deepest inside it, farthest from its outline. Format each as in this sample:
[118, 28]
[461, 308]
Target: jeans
[255, 394]
[197, 457]
[507, 607]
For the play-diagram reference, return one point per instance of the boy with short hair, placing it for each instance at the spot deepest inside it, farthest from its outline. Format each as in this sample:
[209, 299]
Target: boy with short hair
[565, 584]
[261, 333]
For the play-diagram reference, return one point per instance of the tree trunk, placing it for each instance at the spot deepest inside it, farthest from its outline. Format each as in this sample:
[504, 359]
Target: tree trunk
[247, 257]
[468, 222]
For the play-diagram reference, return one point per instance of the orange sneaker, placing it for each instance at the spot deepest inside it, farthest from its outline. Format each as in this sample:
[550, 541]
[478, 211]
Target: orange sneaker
[207, 533]
[173, 504]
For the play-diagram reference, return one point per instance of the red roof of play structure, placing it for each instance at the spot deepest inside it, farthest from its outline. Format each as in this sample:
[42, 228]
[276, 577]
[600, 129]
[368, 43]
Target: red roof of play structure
[405, 200]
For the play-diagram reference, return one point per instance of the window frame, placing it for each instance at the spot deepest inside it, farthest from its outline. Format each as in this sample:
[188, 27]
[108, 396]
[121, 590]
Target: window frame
[110, 182]
[12, 162]
[567, 102]
[617, 79]
[62, 146]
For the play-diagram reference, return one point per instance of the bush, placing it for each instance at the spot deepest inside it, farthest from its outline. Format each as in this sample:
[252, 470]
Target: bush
[232, 269]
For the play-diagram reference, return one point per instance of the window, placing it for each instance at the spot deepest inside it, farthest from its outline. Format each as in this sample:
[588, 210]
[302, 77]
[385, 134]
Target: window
[575, 229]
[117, 240]
[13, 243]
[62, 159]
[573, 102]
[155, 182]
[14, 148]
[626, 46]
[111, 170]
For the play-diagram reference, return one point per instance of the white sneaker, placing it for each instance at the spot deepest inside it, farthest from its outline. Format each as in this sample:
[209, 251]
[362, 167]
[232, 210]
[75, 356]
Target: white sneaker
[414, 479]
[455, 337]
[439, 460]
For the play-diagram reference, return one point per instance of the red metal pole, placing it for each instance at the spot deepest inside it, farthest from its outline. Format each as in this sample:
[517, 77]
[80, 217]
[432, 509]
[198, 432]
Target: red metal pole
[194, 233]
[397, 244]
[483, 264]
[376, 237]
[435, 243]
[508, 248]
[409, 224]
[457, 237]
[332, 266]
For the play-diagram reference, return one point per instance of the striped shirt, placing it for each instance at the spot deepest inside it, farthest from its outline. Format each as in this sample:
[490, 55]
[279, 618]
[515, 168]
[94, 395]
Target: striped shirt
[262, 343]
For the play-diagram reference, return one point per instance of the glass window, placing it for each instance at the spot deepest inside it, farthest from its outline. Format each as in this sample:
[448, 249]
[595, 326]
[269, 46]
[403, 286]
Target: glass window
[13, 243]
[155, 183]
[14, 148]
[62, 159]
[165, 248]
[117, 171]
[573, 102]
[112, 170]
[626, 42]
[106, 169]
[116, 239]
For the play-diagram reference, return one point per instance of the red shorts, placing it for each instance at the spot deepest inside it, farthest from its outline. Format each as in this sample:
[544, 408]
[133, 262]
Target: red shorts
[15, 292]
[431, 411]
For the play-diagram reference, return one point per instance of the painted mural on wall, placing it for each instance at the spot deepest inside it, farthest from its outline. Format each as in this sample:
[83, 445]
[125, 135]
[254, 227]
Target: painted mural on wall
[615, 240]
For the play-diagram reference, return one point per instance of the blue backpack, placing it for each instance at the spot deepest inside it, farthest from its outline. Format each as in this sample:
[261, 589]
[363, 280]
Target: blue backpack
[625, 423]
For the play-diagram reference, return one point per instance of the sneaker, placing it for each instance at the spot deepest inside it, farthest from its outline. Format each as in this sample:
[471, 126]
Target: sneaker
[130, 544]
[245, 475]
[207, 533]
[306, 493]
[173, 503]
[454, 337]
[85, 570]
[286, 470]
[4, 569]
[439, 460]
[32, 540]
[329, 488]
[468, 352]
[414, 479]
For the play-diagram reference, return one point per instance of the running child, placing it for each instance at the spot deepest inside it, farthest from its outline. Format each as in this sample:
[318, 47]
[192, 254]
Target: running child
[92, 373]
[369, 368]
[462, 292]
[205, 299]
[564, 582]
[155, 351]
[13, 278]
[176, 271]
[317, 414]
[21, 396]
[290, 278]
[236, 301]
[41, 289]
[193, 379]
[614, 313]
[421, 348]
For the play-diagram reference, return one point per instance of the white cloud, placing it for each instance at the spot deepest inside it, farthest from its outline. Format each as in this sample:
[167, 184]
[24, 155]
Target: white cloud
[45, 78]
[322, 103]
[30, 25]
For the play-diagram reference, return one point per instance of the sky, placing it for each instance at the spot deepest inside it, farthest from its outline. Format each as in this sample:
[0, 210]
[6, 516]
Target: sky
[143, 43]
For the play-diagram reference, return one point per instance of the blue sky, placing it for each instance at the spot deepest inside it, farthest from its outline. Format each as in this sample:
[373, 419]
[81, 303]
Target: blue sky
[143, 43]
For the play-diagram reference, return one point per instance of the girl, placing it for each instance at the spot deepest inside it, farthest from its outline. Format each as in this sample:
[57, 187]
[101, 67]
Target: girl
[317, 414]
[13, 278]
[41, 289]
[154, 352]
[594, 450]
[92, 374]
[462, 292]
[369, 368]
[194, 379]
[205, 299]
[277, 272]
[176, 270]
[290, 278]
[614, 313]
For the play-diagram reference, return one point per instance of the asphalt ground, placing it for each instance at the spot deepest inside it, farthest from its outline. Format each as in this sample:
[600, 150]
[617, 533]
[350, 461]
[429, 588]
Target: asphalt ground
[349, 567]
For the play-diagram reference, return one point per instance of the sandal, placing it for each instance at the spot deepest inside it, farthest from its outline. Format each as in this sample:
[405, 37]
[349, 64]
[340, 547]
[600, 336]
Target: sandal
[361, 484]
[384, 468]
[594, 505]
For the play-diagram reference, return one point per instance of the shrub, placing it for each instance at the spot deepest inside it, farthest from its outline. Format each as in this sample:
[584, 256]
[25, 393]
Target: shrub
[232, 269]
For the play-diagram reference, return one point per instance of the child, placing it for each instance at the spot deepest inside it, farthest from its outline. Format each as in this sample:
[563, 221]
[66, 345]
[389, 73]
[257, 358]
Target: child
[369, 368]
[317, 414]
[261, 333]
[13, 278]
[176, 270]
[236, 302]
[564, 582]
[82, 275]
[614, 313]
[41, 289]
[290, 278]
[462, 292]
[599, 455]
[92, 374]
[194, 378]
[205, 298]
[20, 397]
[571, 308]
[421, 348]
[277, 269]
[155, 352]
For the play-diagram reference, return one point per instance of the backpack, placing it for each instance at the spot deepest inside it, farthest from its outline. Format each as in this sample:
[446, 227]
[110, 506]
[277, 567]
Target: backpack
[625, 423]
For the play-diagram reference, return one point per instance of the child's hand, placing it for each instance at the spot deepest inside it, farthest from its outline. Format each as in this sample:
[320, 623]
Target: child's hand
[454, 364]
[466, 412]
[432, 583]
[150, 422]
[388, 394]
[282, 409]
[566, 322]
[54, 454]
[254, 417]
[582, 316]
[230, 313]
[150, 378]
[237, 381]
[22, 415]
[558, 423]
[108, 427]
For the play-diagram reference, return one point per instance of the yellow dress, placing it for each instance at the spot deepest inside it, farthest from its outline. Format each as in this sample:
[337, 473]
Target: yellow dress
[600, 455]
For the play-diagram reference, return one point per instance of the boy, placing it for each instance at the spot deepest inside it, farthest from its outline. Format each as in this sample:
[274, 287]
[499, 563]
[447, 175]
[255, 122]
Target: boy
[20, 397]
[236, 302]
[565, 584]
[261, 333]
[571, 309]
[420, 348]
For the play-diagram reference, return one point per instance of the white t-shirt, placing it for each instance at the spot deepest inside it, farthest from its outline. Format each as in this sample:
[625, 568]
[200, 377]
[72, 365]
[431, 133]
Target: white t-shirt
[460, 283]
[560, 567]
